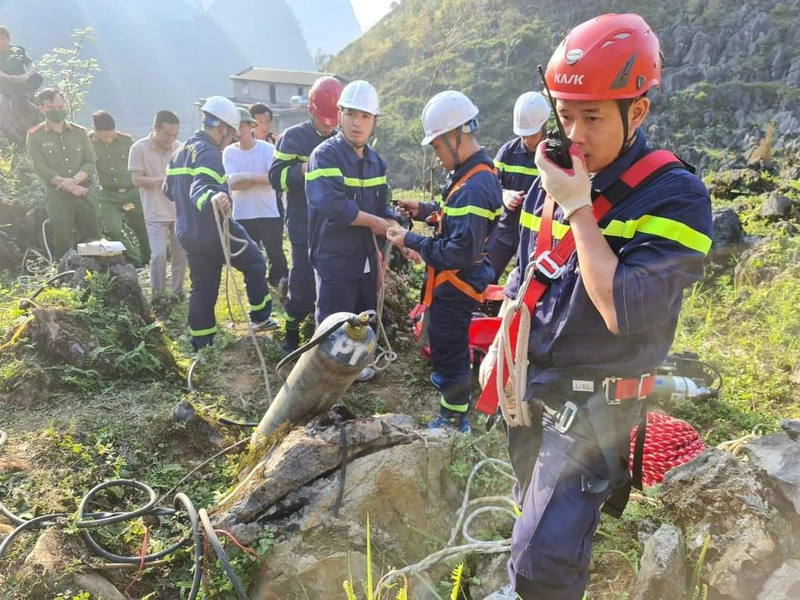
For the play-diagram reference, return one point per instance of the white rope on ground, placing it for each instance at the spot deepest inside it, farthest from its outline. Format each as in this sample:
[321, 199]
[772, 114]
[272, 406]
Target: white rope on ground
[384, 356]
[473, 545]
[225, 238]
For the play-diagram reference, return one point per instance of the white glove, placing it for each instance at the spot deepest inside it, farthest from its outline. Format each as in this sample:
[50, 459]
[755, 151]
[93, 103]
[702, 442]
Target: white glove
[487, 366]
[512, 199]
[570, 188]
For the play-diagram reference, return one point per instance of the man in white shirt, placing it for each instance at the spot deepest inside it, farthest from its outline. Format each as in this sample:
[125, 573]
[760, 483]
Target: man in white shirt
[255, 204]
[147, 163]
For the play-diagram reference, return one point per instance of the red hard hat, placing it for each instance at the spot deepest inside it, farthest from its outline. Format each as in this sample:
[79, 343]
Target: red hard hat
[610, 57]
[323, 99]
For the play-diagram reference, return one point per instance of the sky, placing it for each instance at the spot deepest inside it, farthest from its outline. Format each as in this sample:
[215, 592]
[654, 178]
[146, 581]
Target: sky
[369, 12]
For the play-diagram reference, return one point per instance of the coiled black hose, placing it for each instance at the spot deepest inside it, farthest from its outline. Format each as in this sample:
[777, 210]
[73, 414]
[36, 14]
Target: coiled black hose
[88, 521]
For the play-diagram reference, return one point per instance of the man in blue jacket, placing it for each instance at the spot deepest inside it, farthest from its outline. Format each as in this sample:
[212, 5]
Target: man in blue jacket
[517, 171]
[348, 209]
[197, 184]
[641, 225]
[287, 174]
[459, 270]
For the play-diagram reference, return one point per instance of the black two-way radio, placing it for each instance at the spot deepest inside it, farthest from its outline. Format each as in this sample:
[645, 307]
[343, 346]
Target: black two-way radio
[557, 142]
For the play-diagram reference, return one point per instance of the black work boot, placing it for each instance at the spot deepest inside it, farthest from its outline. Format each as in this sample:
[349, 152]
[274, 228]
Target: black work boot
[291, 341]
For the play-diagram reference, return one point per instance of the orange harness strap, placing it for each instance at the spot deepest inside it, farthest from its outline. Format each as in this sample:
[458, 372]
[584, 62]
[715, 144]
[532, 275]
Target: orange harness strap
[451, 276]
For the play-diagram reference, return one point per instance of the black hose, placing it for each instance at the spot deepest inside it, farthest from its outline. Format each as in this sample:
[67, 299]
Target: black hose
[182, 500]
[220, 552]
[101, 519]
[48, 282]
[36, 523]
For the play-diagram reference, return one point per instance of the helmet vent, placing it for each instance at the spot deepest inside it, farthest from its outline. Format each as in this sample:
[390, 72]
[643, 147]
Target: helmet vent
[606, 44]
[624, 75]
[622, 36]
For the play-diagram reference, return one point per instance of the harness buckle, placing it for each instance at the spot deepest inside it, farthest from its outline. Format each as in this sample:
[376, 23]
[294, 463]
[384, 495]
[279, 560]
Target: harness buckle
[566, 417]
[609, 384]
[548, 267]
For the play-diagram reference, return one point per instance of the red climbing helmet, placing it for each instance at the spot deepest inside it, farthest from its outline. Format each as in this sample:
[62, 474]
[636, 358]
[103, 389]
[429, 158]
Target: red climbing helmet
[323, 100]
[610, 57]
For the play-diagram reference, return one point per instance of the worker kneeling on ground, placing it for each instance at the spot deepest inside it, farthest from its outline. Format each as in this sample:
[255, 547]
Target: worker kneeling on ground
[196, 183]
[459, 270]
[634, 227]
[347, 209]
[517, 170]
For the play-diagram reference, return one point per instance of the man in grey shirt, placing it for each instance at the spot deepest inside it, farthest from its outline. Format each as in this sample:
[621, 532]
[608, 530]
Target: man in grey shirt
[148, 162]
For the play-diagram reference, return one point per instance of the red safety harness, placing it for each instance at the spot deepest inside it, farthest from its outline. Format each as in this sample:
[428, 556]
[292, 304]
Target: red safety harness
[548, 265]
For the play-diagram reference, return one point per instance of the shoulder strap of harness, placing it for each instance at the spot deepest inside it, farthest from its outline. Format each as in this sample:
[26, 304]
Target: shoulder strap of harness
[434, 279]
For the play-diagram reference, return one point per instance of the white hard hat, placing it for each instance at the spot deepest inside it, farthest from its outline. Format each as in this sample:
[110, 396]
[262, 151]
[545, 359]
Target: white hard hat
[360, 95]
[530, 113]
[223, 109]
[444, 112]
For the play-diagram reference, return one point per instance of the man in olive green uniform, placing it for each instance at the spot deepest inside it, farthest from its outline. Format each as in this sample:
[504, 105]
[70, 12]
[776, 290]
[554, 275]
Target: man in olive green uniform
[119, 198]
[63, 157]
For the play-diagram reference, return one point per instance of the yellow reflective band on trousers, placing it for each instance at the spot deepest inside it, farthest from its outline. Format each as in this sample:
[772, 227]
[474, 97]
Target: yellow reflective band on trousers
[348, 181]
[267, 298]
[460, 408]
[202, 332]
[202, 199]
[281, 156]
[472, 210]
[219, 178]
[662, 227]
[501, 166]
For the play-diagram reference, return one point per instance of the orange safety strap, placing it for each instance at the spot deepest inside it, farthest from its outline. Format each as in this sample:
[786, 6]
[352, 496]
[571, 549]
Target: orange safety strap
[451, 276]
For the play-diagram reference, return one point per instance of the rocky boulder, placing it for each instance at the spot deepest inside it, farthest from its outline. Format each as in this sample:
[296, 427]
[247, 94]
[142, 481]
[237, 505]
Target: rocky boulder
[776, 207]
[739, 506]
[321, 512]
[662, 570]
[779, 455]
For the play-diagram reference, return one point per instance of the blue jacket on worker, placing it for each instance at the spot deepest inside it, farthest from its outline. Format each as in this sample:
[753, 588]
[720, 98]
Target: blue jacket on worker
[660, 233]
[470, 217]
[339, 184]
[194, 176]
[470, 209]
[517, 171]
[286, 175]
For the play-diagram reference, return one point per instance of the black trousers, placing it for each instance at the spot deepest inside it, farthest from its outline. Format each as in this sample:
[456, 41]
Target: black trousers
[268, 232]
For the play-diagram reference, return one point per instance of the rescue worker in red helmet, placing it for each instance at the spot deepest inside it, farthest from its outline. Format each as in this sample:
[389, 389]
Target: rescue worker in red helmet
[641, 225]
[287, 174]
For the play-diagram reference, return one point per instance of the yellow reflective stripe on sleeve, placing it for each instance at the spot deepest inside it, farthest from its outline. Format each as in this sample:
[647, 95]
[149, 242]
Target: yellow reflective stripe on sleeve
[219, 178]
[663, 228]
[516, 169]
[285, 178]
[460, 408]
[472, 210]
[202, 332]
[201, 200]
[281, 156]
[317, 173]
[362, 183]
[532, 222]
